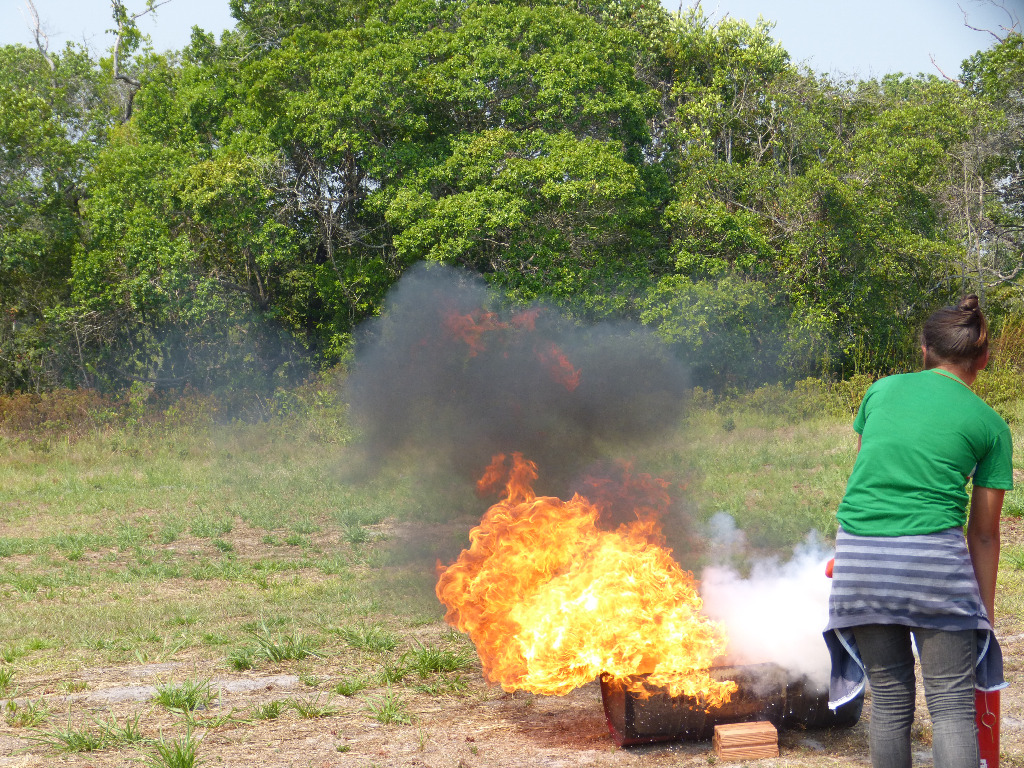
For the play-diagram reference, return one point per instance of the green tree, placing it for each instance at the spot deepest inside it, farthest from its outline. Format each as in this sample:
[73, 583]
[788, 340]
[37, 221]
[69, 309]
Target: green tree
[827, 194]
[55, 110]
[267, 188]
[987, 175]
[182, 278]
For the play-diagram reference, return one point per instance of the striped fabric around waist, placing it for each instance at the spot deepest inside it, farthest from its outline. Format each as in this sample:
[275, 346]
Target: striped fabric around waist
[920, 581]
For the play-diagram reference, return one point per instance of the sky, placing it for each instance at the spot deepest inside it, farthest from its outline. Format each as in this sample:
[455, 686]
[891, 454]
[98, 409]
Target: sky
[170, 27]
[872, 38]
[847, 38]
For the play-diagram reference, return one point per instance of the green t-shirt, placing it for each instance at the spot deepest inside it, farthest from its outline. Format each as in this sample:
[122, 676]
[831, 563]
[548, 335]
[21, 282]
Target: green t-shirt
[923, 436]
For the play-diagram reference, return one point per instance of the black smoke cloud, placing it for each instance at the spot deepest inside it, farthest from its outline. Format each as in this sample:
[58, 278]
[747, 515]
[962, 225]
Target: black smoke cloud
[453, 370]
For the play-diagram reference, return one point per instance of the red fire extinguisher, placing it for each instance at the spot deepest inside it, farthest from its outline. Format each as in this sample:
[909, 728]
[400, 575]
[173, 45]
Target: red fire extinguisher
[986, 714]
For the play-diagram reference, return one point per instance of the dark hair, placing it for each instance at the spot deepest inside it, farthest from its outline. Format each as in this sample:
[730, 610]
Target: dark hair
[956, 335]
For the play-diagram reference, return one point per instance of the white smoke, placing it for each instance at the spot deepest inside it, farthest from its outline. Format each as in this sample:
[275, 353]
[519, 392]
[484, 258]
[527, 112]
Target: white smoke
[777, 614]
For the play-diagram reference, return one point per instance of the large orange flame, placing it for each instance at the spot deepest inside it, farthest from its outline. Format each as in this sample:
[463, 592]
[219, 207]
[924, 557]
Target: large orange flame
[551, 601]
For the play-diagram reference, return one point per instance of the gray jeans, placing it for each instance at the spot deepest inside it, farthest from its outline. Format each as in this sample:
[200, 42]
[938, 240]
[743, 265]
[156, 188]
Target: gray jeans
[947, 666]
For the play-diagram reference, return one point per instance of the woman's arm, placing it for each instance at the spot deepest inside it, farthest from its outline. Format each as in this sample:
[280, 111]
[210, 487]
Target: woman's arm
[983, 541]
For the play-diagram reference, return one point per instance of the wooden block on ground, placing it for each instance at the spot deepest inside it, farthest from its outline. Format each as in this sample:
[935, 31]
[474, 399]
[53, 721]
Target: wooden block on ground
[746, 741]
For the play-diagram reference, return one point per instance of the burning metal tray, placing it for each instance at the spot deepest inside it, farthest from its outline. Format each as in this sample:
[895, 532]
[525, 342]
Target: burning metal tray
[766, 692]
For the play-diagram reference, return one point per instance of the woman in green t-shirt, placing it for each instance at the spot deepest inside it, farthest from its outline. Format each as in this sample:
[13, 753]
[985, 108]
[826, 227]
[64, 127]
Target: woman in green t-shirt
[903, 567]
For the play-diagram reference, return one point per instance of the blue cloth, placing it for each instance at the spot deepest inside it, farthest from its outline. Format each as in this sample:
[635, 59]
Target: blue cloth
[924, 580]
[849, 677]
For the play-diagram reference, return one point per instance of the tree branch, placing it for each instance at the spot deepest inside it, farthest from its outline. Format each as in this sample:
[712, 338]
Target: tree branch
[41, 38]
[127, 30]
[1014, 21]
[936, 65]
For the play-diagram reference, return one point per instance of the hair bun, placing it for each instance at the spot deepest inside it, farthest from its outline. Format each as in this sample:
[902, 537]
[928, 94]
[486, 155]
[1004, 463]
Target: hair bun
[956, 334]
[969, 304]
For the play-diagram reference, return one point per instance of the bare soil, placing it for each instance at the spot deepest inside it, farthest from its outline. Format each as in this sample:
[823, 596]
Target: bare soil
[484, 726]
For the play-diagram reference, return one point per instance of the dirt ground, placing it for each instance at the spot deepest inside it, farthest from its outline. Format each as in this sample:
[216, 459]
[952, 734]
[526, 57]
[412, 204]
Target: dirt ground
[483, 726]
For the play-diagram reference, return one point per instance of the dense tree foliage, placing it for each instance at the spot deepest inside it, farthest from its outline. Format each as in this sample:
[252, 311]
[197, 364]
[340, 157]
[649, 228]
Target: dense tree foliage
[54, 114]
[987, 195]
[224, 216]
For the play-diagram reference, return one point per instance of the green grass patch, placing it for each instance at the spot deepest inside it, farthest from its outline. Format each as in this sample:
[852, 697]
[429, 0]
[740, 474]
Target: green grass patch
[186, 696]
[124, 732]
[392, 672]
[1013, 557]
[102, 734]
[71, 739]
[278, 647]
[6, 680]
[180, 752]
[269, 711]
[369, 637]
[351, 686]
[427, 661]
[27, 714]
[313, 708]
[444, 686]
[389, 709]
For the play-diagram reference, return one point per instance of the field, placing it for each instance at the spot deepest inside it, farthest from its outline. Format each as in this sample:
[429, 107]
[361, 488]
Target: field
[179, 593]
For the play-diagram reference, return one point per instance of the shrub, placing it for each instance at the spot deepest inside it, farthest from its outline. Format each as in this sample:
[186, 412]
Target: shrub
[60, 411]
[1008, 344]
[847, 394]
[702, 398]
[317, 405]
[807, 398]
[192, 409]
[776, 400]
[1001, 386]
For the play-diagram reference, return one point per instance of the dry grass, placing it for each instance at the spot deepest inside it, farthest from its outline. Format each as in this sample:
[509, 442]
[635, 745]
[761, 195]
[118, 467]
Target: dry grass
[137, 557]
